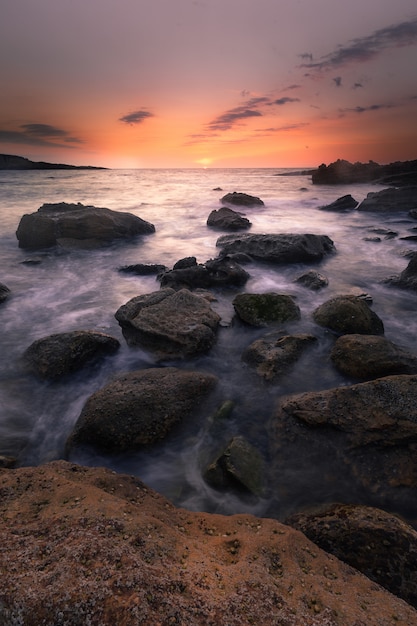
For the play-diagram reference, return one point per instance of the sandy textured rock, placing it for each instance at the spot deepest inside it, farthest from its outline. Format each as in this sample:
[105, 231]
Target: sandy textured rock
[312, 280]
[89, 546]
[263, 309]
[348, 314]
[273, 354]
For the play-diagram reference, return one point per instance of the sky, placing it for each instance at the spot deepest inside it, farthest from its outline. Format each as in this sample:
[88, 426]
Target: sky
[208, 83]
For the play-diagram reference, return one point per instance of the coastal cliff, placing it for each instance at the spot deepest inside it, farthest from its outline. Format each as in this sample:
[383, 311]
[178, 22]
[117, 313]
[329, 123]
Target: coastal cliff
[12, 162]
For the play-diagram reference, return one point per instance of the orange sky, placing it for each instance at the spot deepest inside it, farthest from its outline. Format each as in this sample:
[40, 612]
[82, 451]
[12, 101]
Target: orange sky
[220, 83]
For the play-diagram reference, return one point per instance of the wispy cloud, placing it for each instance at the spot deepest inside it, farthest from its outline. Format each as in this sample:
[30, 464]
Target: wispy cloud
[234, 116]
[136, 117]
[285, 100]
[39, 135]
[337, 81]
[366, 109]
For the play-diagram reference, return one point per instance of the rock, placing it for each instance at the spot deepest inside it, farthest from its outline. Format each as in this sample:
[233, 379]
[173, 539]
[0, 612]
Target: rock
[390, 200]
[312, 280]
[408, 277]
[241, 199]
[371, 356]
[78, 224]
[280, 248]
[143, 269]
[64, 353]
[140, 408]
[263, 309]
[273, 354]
[377, 543]
[348, 314]
[345, 203]
[227, 219]
[172, 324]
[342, 172]
[4, 292]
[386, 232]
[239, 466]
[214, 273]
[189, 261]
[7, 462]
[13, 162]
[108, 550]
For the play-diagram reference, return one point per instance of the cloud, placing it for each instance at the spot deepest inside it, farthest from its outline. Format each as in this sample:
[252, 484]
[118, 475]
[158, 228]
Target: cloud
[294, 86]
[227, 120]
[372, 107]
[137, 117]
[366, 48]
[39, 135]
[338, 81]
[285, 128]
[285, 100]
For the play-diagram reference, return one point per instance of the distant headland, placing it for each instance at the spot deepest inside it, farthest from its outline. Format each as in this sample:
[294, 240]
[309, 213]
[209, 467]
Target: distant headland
[12, 162]
[342, 172]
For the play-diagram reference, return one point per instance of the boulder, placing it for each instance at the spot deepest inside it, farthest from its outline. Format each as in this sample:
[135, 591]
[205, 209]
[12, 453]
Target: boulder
[312, 280]
[280, 248]
[77, 224]
[263, 309]
[273, 354]
[390, 200]
[222, 272]
[4, 292]
[239, 466]
[140, 408]
[371, 356]
[408, 277]
[241, 199]
[171, 324]
[64, 353]
[348, 314]
[377, 543]
[227, 219]
[343, 172]
[143, 269]
[345, 203]
[188, 261]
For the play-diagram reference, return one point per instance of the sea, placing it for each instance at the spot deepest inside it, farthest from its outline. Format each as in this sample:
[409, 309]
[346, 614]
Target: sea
[59, 290]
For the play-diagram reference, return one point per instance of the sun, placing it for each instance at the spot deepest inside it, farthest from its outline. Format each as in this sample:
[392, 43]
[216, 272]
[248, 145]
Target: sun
[205, 162]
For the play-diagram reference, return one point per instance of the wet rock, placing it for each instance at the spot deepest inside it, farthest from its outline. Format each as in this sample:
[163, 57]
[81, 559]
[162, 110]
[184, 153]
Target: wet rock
[171, 324]
[227, 219]
[140, 408]
[239, 466]
[348, 314]
[408, 277]
[188, 261]
[78, 225]
[241, 199]
[371, 356]
[386, 232]
[143, 269]
[64, 353]
[4, 292]
[377, 543]
[274, 354]
[214, 273]
[345, 203]
[312, 280]
[280, 248]
[389, 200]
[263, 309]
[343, 172]
[7, 462]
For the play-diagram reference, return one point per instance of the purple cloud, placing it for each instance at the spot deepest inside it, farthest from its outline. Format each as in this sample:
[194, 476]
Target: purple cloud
[137, 117]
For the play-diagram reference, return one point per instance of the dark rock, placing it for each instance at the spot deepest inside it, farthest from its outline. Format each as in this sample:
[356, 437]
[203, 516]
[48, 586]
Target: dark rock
[4, 292]
[343, 172]
[413, 214]
[241, 199]
[345, 203]
[263, 309]
[239, 466]
[57, 355]
[312, 280]
[348, 314]
[273, 354]
[227, 219]
[280, 248]
[12, 162]
[370, 356]
[78, 225]
[7, 462]
[377, 543]
[214, 273]
[140, 408]
[386, 232]
[390, 200]
[189, 261]
[408, 277]
[171, 324]
[143, 269]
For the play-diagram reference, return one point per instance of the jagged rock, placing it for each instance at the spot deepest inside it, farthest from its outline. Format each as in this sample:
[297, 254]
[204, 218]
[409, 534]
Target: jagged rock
[262, 309]
[280, 248]
[377, 543]
[189, 261]
[273, 354]
[140, 408]
[77, 224]
[408, 277]
[348, 314]
[371, 356]
[143, 269]
[64, 353]
[343, 172]
[227, 219]
[171, 324]
[7, 462]
[240, 466]
[345, 203]
[241, 199]
[4, 292]
[312, 280]
[214, 273]
[388, 200]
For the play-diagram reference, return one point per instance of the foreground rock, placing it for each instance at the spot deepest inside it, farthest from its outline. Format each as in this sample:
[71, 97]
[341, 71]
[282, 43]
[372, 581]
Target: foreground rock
[4, 292]
[241, 199]
[64, 353]
[345, 203]
[171, 324]
[77, 225]
[312, 280]
[378, 544]
[188, 273]
[389, 200]
[371, 356]
[280, 248]
[143, 269]
[348, 314]
[108, 550]
[227, 219]
[408, 277]
[140, 408]
[263, 309]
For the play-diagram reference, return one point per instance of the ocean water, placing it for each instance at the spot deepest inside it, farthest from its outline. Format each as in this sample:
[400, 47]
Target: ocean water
[71, 290]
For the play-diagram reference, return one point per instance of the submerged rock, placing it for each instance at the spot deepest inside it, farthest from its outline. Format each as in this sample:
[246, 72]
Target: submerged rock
[227, 219]
[214, 273]
[4, 292]
[241, 199]
[143, 269]
[312, 280]
[140, 408]
[263, 309]
[345, 203]
[77, 224]
[348, 314]
[408, 277]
